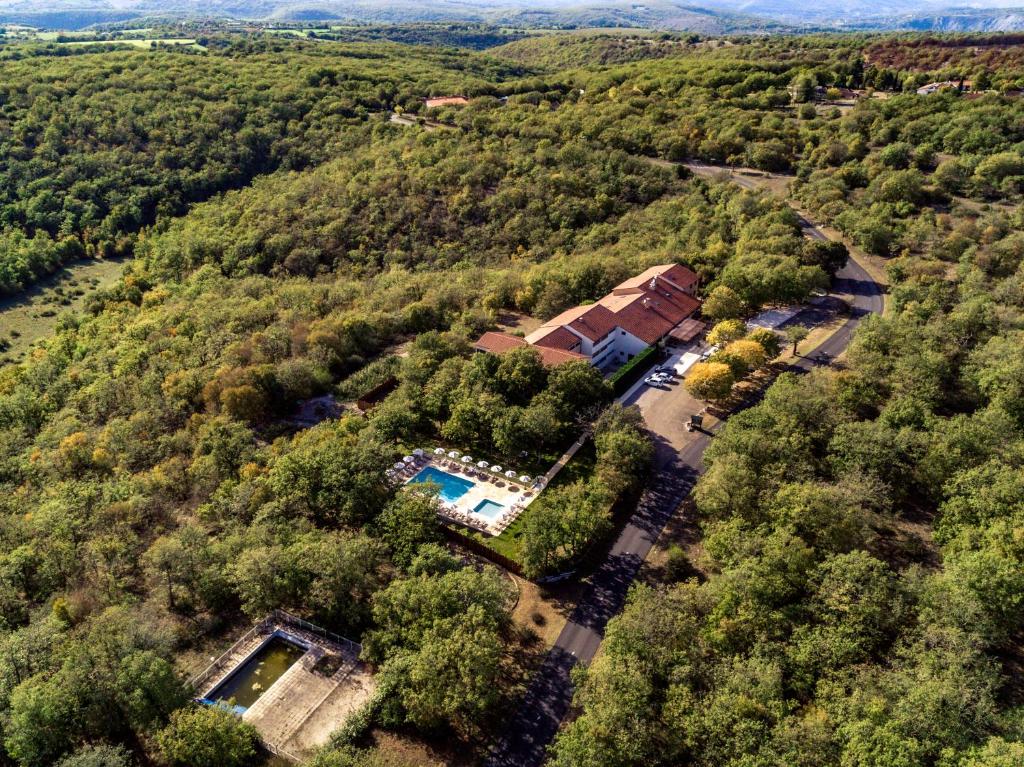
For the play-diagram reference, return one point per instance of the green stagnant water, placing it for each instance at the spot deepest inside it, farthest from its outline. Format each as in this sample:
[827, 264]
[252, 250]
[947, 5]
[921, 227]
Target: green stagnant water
[256, 675]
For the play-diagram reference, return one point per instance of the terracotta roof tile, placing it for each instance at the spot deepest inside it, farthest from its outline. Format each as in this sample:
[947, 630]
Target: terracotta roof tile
[559, 338]
[499, 343]
[675, 273]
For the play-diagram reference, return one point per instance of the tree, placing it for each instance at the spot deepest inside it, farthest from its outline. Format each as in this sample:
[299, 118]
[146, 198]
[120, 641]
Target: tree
[723, 303]
[575, 387]
[559, 529]
[245, 403]
[801, 88]
[900, 186]
[147, 689]
[472, 418]
[520, 375]
[453, 676]
[542, 537]
[768, 340]
[795, 334]
[42, 723]
[438, 639]
[710, 380]
[727, 331]
[830, 255]
[409, 608]
[207, 736]
[992, 171]
[333, 474]
[408, 522]
[996, 752]
[742, 356]
[511, 431]
[858, 608]
[624, 449]
[951, 176]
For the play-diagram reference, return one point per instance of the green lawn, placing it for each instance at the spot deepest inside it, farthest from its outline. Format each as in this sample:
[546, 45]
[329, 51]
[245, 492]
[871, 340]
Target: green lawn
[34, 313]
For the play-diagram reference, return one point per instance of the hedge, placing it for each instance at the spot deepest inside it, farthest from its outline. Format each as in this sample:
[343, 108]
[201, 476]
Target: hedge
[628, 374]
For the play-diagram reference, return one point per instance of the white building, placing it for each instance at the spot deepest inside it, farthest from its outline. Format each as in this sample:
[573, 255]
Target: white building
[638, 313]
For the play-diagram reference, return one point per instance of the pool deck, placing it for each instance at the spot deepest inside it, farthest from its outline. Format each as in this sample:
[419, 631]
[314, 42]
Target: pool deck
[514, 496]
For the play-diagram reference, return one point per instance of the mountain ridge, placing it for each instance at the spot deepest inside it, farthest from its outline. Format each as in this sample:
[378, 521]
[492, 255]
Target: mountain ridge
[707, 16]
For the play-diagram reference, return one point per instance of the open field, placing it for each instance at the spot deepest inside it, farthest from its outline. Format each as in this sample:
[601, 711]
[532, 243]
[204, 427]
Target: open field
[32, 315]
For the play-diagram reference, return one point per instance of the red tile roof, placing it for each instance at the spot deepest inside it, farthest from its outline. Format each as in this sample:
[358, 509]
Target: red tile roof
[676, 275]
[592, 321]
[647, 306]
[498, 343]
[559, 338]
[651, 316]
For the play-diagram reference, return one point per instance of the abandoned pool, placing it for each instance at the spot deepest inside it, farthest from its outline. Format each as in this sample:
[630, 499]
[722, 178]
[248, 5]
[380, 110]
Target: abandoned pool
[254, 677]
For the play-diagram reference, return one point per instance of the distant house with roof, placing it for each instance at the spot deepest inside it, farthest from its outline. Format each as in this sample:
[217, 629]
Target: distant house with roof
[946, 85]
[640, 312]
[445, 101]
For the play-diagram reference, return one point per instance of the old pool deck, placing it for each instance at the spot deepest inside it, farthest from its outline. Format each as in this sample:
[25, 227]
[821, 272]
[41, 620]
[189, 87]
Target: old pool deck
[301, 709]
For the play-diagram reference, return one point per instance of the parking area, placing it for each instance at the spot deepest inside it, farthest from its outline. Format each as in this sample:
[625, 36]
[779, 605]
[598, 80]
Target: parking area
[667, 406]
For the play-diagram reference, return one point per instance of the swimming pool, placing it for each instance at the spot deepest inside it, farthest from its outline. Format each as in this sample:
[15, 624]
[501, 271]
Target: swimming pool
[452, 487]
[249, 681]
[489, 509]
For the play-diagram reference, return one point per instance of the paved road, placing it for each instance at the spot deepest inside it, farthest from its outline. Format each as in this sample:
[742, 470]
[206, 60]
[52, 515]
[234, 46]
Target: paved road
[549, 695]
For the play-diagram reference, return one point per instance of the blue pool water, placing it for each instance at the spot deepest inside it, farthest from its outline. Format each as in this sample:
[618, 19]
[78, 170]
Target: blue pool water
[452, 487]
[489, 509]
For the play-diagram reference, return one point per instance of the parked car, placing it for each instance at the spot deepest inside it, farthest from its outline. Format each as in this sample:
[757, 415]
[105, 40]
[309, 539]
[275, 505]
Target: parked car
[658, 379]
[708, 352]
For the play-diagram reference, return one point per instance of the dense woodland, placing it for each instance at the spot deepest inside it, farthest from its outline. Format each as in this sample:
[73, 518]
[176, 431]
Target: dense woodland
[857, 600]
[96, 147]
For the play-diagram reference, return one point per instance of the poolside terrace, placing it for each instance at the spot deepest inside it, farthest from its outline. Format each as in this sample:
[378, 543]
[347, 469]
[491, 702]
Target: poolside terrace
[474, 494]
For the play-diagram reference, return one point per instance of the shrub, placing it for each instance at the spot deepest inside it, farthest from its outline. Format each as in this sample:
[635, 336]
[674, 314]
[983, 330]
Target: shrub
[622, 378]
[677, 565]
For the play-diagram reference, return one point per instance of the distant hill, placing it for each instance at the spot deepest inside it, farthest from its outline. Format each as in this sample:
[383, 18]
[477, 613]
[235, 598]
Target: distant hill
[968, 20]
[69, 19]
[702, 16]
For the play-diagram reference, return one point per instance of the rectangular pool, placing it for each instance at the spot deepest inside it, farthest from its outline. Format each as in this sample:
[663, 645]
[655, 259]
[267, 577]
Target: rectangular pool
[254, 677]
[489, 509]
[452, 487]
